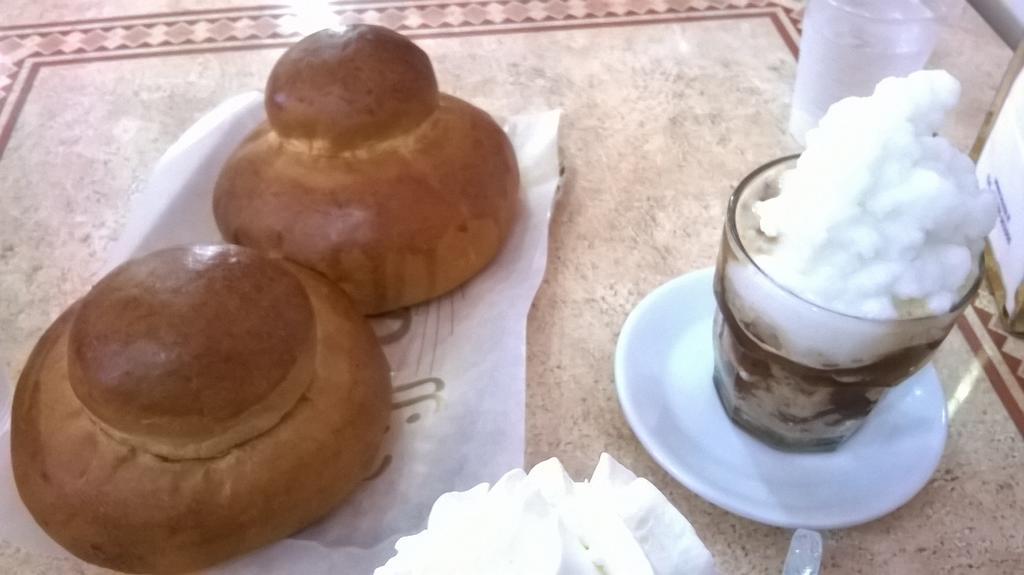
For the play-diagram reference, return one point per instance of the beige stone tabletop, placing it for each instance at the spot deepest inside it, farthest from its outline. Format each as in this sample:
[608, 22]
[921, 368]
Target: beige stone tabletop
[668, 103]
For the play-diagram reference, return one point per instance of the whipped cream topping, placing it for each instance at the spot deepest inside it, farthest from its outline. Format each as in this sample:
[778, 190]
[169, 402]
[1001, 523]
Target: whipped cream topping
[544, 523]
[881, 218]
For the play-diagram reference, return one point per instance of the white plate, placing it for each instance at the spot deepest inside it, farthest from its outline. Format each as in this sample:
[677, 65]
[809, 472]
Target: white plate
[663, 366]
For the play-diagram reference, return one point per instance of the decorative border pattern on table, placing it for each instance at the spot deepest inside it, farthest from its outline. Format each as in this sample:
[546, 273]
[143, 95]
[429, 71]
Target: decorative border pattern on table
[27, 49]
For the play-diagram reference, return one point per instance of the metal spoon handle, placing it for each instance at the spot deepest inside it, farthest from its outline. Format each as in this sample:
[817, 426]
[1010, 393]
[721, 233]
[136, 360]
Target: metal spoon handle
[804, 556]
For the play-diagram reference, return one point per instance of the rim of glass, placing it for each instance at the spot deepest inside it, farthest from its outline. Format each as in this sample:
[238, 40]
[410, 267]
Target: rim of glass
[938, 13]
[730, 226]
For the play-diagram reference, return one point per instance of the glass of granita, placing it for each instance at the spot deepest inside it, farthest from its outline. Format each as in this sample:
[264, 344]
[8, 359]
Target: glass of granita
[841, 270]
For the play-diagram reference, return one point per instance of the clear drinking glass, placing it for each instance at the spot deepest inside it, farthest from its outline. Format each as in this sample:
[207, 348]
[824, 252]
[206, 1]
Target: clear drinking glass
[794, 374]
[848, 46]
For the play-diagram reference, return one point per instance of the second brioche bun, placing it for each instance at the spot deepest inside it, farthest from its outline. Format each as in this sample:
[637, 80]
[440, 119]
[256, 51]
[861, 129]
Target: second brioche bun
[369, 175]
[197, 403]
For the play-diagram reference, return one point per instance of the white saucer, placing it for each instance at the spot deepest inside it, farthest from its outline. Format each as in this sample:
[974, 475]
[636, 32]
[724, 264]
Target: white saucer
[663, 366]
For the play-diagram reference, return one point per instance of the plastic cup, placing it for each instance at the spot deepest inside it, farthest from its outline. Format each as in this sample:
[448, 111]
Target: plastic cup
[848, 46]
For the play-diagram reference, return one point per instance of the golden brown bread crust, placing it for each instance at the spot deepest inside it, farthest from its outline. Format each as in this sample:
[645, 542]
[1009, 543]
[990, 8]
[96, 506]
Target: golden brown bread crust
[120, 506]
[366, 83]
[159, 345]
[396, 216]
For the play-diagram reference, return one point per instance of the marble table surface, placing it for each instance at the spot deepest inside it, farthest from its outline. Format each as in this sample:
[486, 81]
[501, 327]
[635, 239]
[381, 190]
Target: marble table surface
[668, 104]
